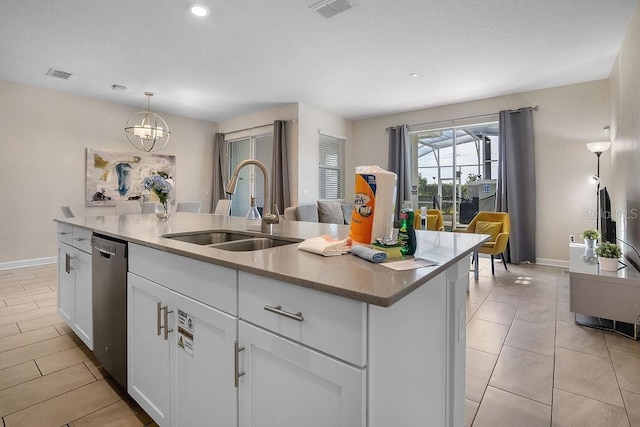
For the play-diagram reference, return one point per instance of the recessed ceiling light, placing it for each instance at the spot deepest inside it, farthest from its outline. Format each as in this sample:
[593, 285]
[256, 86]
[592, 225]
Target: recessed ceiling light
[199, 9]
[413, 75]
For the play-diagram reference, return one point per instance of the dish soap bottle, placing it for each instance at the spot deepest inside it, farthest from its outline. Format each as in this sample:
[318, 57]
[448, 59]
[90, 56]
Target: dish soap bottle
[254, 221]
[406, 232]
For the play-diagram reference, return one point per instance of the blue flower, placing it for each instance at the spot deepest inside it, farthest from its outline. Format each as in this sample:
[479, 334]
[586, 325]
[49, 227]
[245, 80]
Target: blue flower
[160, 185]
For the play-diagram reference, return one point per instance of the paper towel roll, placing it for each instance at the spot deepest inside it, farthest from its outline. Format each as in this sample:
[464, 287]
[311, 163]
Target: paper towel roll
[374, 204]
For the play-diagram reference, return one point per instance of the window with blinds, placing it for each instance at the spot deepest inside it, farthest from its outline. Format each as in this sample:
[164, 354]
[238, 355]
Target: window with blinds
[331, 167]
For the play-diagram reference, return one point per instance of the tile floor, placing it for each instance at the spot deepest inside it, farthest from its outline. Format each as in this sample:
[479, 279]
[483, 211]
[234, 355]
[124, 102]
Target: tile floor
[529, 364]
[48, 377]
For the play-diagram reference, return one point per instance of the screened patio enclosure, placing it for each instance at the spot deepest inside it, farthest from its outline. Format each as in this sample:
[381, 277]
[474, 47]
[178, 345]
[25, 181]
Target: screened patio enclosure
[455, 169]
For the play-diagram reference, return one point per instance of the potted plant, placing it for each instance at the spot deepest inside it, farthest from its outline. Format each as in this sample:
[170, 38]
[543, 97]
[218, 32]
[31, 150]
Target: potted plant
[608, 254]
[590, 237]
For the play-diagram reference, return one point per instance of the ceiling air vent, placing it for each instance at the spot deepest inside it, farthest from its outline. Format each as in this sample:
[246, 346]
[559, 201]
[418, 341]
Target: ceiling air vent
[329, 8]
[58, 74]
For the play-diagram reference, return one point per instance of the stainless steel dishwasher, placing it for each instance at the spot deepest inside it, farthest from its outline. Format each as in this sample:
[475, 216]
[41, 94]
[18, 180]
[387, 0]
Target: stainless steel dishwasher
[109, 278]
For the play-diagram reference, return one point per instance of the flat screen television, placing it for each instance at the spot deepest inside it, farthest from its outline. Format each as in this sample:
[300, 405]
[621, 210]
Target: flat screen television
[607, 224]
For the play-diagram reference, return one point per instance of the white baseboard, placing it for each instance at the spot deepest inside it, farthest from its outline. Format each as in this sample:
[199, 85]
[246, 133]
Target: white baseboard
[552, 262]
[27, 263]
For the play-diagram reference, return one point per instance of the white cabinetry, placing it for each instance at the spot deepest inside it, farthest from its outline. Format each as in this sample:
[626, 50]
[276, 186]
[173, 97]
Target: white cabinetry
[284, 381]
[74, 280]
[181, 377]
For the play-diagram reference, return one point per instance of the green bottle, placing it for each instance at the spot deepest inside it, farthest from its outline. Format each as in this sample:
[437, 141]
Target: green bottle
[406, 232]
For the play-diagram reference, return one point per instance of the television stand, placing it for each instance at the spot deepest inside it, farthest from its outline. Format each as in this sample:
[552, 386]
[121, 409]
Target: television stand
[608, 300]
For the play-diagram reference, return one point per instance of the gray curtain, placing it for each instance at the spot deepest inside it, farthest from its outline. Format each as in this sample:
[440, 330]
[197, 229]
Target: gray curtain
[279, 169]
[516, 192]
[220, 172]
[399, 163]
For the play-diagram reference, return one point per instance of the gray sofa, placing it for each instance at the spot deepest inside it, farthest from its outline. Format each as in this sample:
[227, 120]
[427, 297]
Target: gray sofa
[330, 212]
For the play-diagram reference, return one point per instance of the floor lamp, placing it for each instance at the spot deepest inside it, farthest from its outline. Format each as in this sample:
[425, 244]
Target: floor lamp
[598, 148]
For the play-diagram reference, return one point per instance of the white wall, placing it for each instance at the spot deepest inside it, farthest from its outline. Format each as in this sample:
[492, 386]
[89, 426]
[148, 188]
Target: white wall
[313, 120]
[42, 161]
[625, 133]
[569, 116]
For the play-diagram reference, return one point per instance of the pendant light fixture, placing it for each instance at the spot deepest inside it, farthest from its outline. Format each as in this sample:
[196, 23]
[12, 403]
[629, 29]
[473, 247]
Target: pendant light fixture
[147, 131]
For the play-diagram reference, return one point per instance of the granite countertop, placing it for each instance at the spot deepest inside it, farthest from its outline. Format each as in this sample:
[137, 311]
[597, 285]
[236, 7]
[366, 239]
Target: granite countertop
[347, 275]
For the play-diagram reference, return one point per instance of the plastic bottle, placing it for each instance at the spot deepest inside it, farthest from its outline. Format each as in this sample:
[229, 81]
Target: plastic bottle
[406, 232]
[254, 221]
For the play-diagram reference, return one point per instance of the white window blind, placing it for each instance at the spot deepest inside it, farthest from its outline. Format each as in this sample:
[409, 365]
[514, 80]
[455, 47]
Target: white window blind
[331, 167]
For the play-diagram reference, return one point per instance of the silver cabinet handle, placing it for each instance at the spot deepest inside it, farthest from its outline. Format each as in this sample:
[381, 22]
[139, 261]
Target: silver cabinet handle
[236, 363]
[62, 233]
[166, 322]
[79, 239]
[67, 263]
[159, 308]
[278, 310]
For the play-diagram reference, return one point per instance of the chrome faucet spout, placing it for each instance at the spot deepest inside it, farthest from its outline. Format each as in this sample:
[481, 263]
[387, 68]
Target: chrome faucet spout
[267, 217]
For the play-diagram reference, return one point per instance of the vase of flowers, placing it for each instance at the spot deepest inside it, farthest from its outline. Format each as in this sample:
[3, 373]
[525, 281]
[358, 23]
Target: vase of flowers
[161, 186]
[590, 237]
[608, 254]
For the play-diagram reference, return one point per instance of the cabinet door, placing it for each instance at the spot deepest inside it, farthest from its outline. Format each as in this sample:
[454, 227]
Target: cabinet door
[83, 302]
[66, 283]
[148, 351]
[288, 385]
[202, 361]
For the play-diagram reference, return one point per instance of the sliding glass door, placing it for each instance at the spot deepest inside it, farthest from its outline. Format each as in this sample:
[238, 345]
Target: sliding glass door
[455, 169]
[250, 178]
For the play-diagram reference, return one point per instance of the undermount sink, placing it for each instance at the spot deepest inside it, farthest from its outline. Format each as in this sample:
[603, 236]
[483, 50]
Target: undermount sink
[230, 241]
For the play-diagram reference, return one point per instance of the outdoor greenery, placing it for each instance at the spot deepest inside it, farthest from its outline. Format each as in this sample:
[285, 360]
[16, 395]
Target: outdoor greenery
[426, 191]
[590, 234]
[608, 250]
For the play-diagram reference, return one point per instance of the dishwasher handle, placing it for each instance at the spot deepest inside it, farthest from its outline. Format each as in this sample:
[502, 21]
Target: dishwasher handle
[106, 254]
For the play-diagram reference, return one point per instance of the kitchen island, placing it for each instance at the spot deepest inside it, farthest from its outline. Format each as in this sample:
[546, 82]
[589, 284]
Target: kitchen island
[285, 337]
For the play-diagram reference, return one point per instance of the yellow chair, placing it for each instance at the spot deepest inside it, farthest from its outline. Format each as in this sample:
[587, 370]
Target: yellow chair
[433, 221]
[496, 224]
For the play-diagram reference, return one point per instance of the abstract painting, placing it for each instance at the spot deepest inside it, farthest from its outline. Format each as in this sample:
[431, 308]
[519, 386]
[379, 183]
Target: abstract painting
[113, 176]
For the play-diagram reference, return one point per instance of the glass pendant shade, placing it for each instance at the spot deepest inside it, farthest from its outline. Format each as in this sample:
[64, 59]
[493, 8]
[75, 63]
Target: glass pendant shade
[598, 147]
[147, 131]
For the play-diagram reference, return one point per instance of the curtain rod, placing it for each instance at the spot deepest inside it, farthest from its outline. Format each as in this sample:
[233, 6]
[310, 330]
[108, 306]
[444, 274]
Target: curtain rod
[259, 126]
[536, 108]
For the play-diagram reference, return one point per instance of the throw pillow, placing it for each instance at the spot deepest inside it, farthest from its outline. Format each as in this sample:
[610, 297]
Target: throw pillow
[330, 212]
[347, 211]
[488, 227]
[308, 213]
[432, 222]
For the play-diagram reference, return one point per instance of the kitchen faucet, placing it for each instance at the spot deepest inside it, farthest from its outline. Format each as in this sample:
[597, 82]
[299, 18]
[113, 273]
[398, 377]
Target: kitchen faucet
[267, 217]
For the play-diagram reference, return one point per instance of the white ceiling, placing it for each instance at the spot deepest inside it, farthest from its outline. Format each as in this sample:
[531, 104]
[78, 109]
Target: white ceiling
[250, 55]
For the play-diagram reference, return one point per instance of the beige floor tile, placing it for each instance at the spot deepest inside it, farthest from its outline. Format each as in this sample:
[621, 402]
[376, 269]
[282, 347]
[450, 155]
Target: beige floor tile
[31, 295]
[27, 315]
[574, 410]
[627, 368]
[35, 350]
[32, 392]
[63, 328]
[479, 368]
[18, 374]
[470, 410]
[9, 289]
[47, 302]
[8, 330]
[486, 336]
[67, 407]
[618, 342]
[502, 409]
[587, 375]
[9, 311]
[2, 303]
[40, 322]
[477, 295]
[471, 310]
[537, 313]
[121, 413]
[632, 403]
[42, 283]
[580, 338]
[564, 312]
[96, 369]
[497, 312]
[541, 294]
[508, 294]
[63, 359]
[524, 373]
[25, 338]
[532, 336]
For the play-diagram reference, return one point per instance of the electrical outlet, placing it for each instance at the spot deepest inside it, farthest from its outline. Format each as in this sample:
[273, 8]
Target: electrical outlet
[572, 238]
